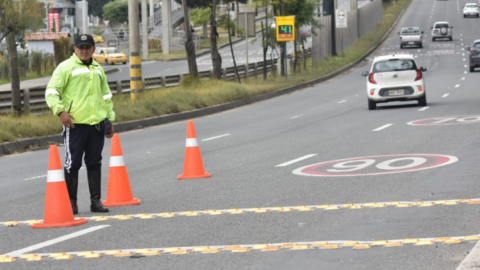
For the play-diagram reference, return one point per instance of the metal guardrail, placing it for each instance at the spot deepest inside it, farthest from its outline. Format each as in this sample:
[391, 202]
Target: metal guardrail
[33, 99]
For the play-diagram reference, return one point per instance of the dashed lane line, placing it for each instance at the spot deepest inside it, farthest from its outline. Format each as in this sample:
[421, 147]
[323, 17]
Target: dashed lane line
[296, 160]
[382, 127]
[296, 116]
[342, 101]
[216, 137]
[288, 246]
[20, 252]
[262, 210]
[457, 85]
[423, 109]
[446, 95]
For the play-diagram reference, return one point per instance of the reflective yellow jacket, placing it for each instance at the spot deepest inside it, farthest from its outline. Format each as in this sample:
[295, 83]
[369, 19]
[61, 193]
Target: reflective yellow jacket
[81, 89]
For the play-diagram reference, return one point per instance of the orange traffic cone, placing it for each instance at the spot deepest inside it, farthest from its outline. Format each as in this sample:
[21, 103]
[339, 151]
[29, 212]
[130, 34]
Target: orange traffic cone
[58, 210]
[119, 192]
[193, 165]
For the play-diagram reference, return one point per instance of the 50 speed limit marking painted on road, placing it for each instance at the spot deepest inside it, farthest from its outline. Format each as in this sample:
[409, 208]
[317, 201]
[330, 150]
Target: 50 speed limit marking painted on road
[376, 165]
[447, 120]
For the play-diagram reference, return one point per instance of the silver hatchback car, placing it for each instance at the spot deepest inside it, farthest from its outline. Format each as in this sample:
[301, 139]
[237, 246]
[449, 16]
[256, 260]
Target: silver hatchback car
[474, 57]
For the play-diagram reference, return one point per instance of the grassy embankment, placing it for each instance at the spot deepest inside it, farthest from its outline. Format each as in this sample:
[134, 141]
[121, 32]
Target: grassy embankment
[189, 97]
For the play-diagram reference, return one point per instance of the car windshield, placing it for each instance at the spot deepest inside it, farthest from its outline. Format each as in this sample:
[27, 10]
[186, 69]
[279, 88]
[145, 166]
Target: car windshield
[477, 45]
[441, 25]
[471, 6]
[411, 31]
[113, 51]
[394, 65]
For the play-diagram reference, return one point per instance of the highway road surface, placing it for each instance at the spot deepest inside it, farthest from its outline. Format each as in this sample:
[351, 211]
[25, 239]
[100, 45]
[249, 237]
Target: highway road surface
[309, 180]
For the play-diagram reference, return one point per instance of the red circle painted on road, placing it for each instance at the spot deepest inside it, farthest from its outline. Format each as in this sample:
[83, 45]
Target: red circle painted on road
[376, 165]
[447, 120]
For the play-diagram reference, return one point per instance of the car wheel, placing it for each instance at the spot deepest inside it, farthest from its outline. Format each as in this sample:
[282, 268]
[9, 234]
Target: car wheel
[472, 69]
[433, 39]
[450, 38]
[423, 101]
[401, 46]
[421, 45]
[124, 63]
[372, 105]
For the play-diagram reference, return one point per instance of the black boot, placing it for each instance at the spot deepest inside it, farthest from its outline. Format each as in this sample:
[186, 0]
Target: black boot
[95, 185]
[71, 179]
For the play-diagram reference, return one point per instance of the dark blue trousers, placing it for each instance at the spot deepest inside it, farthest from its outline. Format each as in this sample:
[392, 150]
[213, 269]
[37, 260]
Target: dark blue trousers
[83, 139]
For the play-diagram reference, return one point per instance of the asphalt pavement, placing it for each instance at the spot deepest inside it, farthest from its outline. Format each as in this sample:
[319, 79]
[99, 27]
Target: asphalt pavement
[309, 180]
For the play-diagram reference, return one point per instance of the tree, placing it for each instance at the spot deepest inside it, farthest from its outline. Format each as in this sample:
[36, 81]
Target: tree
[216, 58]
[189, 45]
[116, 11]
[96, 7]
[15, 18]
[201, 16]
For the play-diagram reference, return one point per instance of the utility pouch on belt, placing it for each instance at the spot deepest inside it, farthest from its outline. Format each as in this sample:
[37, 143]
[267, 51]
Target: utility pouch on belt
[104, 127]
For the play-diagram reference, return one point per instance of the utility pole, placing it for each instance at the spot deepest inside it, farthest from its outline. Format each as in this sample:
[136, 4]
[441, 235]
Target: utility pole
[284, 47]
[166, 25]
[333, 8]
[144, 30]
[84, 17]
[136, 80]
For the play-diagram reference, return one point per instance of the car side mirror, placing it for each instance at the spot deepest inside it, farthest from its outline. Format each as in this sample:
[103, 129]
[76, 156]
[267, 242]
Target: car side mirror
[422, 32]
[365, 74]
[423, 69]
[431, 27]
[467, 48]
[399, 33]
[451, 27]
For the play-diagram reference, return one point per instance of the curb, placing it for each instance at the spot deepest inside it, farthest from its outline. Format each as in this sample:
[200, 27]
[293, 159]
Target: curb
[40, 142]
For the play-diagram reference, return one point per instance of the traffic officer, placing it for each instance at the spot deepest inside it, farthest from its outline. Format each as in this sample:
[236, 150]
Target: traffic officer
[79, 94]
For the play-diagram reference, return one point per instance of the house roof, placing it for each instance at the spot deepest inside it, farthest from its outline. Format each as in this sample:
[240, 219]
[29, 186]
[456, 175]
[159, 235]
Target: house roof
[45, 36]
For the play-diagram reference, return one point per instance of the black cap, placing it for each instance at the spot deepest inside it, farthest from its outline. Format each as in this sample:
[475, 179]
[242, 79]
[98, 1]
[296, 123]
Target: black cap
[85, 39]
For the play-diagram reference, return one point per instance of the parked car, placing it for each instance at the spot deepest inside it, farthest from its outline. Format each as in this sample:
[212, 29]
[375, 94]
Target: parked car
[474, 57]
[98, 39]
[109, 55]
[395, 78]
[411, 36]
[470, 10]
[442, 30]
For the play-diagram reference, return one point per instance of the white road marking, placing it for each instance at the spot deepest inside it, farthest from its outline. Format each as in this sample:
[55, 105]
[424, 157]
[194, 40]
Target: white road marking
[465, 66]
[446, 95]
[471, 261]
[341, 101]
[458, 85]
[463, 54]
[465, 72]
[295, 160]
[382, 127]
[296, 116]
[463, 78]
[463, 59]
[36, 177]
[19, 252]
[216, 137]
[423, 109]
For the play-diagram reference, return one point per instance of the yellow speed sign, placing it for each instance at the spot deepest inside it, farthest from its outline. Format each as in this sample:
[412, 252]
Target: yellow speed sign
[285, 26]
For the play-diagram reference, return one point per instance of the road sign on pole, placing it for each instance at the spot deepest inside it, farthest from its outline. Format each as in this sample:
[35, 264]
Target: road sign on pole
[341, 18]
[285, 26]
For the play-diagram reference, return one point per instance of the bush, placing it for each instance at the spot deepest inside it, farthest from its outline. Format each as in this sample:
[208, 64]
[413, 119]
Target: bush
[154, 44]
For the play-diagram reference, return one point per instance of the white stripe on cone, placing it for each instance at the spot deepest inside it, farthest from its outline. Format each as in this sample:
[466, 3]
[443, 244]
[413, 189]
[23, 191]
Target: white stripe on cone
[191, 143]
[55, 176]
[117, 161]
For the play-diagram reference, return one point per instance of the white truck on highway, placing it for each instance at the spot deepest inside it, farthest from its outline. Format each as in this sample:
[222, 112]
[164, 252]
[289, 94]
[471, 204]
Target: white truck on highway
[411, 36]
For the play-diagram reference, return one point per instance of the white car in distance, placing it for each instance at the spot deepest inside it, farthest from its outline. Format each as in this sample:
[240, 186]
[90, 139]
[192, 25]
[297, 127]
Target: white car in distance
[395, 77]
[470, 10]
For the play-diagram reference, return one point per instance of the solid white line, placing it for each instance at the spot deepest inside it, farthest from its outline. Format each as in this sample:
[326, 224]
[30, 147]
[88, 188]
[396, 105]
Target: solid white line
[446, 95]
[296, 160]
[296, 116]
[341, 101]
[382, 127]
[471, 261]
[55, 241]
[423, 109]
[36, 177]
[216, 137]
[463, 78]
[458, 85]
[465, 66]
[465, 72]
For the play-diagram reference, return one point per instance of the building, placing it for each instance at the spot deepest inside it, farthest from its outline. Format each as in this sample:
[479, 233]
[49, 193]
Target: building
[43, 42]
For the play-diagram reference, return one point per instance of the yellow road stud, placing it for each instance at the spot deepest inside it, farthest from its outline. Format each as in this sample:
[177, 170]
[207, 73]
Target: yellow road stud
[349, 244]
[453, 241]
[12, 223]
[471, 238]
[199, 249]
[166, 215]
[441, 239]
[6, 258]
[211, 250]
[112, 252]
[235, 211]
[300, 247]
[379, 243]
[361, 246]
[259, 246]
[394, 244]
[331, 246]
[332, 208]
[123, 254]
[410, 241]
[424, 243]
[181, 252]
[269, 248]
[241, 249]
